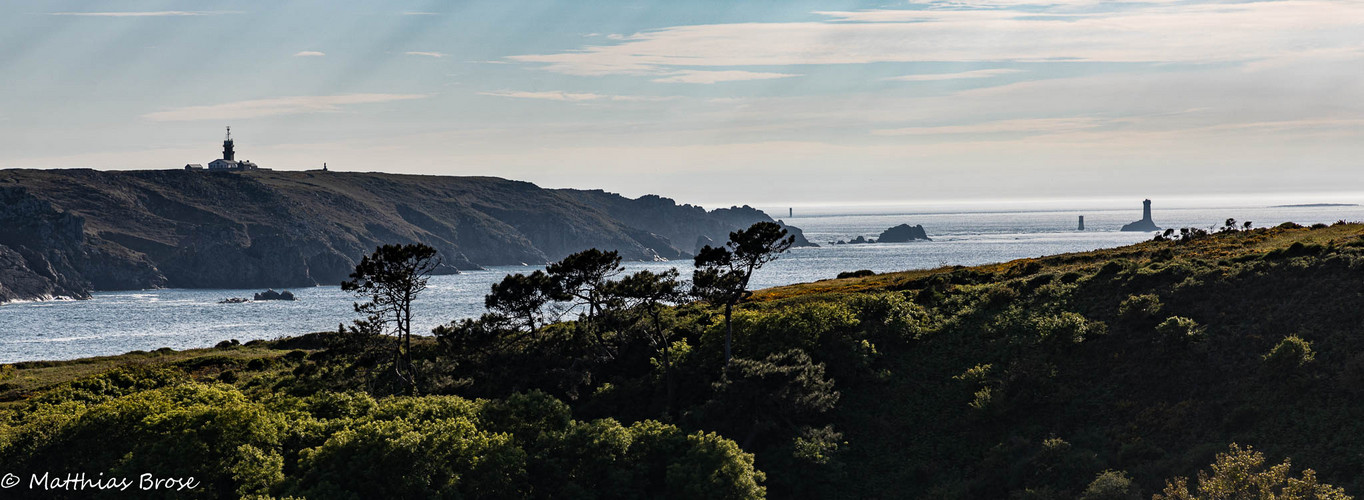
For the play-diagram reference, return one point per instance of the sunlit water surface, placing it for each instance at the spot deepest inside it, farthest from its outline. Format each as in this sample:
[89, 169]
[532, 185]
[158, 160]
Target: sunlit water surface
[118, 322]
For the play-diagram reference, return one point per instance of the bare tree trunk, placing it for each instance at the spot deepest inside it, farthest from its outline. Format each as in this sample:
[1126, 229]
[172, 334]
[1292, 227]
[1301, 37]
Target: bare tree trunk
[729, 331]
[667, 366]
[407, 344]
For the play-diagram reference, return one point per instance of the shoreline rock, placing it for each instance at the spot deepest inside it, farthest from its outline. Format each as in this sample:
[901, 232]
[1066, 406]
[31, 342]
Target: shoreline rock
[271, 294]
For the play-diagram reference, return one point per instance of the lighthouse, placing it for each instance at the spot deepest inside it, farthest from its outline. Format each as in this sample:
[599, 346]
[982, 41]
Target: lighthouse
[228, 154]
[229, 159]
[1145, 224]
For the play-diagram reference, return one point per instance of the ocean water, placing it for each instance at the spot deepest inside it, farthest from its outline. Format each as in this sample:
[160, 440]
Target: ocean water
[118, 322]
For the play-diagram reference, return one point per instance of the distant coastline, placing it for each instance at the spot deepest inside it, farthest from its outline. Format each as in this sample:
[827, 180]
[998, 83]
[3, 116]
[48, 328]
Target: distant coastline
[1315, 205]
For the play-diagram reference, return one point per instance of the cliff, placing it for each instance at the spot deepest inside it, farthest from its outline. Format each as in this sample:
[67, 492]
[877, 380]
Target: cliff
[689, 226]
[68, 232]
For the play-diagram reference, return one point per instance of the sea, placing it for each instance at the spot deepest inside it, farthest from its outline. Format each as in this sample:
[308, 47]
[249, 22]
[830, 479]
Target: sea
[118, 322]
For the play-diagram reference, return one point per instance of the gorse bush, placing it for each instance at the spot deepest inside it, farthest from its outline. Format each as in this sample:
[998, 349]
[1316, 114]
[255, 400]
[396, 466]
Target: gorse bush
[1179, 328]
[348, 445]
[1140, 307]
[1241, 473]
[1291, 352]
[1110, 485]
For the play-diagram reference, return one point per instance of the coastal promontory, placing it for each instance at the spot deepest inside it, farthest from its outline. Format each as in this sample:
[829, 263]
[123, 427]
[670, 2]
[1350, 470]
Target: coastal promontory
[72, 231]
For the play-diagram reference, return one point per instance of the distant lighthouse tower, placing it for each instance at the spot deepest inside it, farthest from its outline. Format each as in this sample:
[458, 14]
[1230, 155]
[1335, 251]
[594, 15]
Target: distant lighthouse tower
[1146, 210]
[228, 154]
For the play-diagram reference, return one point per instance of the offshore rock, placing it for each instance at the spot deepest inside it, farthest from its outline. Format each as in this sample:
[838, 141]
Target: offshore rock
[1145, 224]
[271, 294]
[903, 233]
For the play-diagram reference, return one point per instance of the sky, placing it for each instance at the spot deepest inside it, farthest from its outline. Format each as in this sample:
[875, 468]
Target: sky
[771, 103]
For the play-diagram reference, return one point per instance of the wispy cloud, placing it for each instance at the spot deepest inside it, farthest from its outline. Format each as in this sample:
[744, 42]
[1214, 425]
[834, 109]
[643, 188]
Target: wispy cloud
[1020, 126]
[425, 53]
[309, 53]
[559, 95]
[274, 107]
[933, 77]
[1148, 33]
[156, 13]
[708, 77]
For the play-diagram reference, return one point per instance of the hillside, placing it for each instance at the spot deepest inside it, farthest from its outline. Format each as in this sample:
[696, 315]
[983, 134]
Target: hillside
[68, 232]
[1093, 375]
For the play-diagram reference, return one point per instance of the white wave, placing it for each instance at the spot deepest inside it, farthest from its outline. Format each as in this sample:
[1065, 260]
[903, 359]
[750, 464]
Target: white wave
[41, 298]
[58, 339]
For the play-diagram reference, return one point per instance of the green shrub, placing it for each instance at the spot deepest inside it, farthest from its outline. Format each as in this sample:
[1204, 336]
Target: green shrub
[1140, 307]
[1067, 327]
[1110, 485]
[1181, 329]
[862, 273]
[888, 313]
[997, 296]
[1241, 473]
[1290, 353]
[975, 374]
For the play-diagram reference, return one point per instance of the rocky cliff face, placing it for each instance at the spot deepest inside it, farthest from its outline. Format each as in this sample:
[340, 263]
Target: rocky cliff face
[68, 232]
[44, 252]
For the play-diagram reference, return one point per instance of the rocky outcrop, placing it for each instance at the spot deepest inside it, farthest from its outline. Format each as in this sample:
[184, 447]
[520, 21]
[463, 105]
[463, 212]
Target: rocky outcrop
[1145, 224]
[271, 294]
[68, 232]
[903, 233]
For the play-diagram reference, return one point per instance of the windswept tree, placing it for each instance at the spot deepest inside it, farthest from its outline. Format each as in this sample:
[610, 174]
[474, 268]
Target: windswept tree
[650, 293]
[391, 278]
[722, 273]
[522, 299]
[585, 277]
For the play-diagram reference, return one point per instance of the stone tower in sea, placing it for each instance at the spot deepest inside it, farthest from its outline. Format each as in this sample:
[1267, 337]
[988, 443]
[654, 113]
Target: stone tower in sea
[1145, 224]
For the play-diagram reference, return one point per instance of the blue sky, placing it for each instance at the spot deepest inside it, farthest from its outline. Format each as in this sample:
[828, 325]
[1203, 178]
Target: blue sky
[715, 102]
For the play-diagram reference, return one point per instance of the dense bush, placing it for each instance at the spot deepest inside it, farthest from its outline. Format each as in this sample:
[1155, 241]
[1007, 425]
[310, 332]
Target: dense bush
[1179, 328]
[348, 445]
[1291, 352]
[1241, 473]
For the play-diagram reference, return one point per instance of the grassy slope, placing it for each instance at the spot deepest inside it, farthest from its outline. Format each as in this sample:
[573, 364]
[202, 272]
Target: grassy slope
[1130, 398]
[20, 380]
[1212, 248]
[1122, 395]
